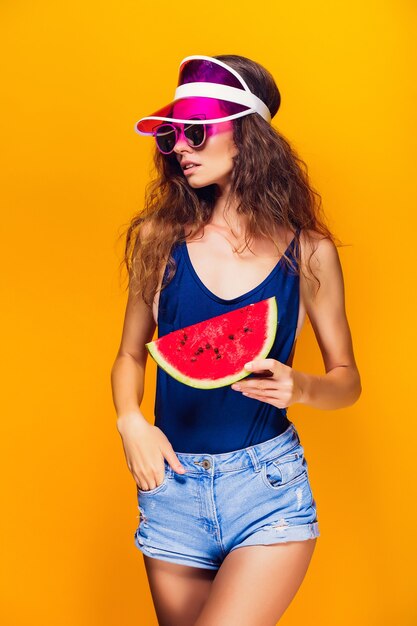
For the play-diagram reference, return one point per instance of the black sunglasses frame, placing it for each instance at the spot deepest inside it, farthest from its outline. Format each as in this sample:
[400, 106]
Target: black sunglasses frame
[177, 130]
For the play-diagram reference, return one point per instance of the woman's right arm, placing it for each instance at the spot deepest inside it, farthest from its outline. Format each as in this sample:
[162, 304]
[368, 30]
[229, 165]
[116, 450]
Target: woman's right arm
[128, 371]
[145, 445]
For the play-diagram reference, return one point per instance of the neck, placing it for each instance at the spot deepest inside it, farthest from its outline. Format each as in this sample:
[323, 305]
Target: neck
[225, 214]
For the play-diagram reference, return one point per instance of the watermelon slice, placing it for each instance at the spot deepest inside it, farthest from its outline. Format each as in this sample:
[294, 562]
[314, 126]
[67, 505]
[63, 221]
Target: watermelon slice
[213, 353]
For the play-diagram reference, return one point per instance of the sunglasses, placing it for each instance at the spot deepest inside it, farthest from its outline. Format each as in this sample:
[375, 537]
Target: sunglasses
[167, 134]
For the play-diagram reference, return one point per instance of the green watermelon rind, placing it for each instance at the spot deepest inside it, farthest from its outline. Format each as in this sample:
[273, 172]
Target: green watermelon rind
[208, 383]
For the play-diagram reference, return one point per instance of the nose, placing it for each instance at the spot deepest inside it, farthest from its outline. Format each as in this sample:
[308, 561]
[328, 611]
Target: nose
[181, 143]
[181, 146]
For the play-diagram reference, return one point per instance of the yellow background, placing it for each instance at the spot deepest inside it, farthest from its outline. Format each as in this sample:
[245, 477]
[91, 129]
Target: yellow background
[75, 77]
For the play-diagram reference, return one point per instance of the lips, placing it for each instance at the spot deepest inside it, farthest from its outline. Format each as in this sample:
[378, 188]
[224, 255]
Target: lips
[190, 170]
[185, 165]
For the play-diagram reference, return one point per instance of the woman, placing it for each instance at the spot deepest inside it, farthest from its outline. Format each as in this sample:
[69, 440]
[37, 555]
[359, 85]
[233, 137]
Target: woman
[228, 521]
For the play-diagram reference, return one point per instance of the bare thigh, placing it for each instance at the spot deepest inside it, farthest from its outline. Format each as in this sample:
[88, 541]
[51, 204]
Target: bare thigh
[178, 591]
[255, 584]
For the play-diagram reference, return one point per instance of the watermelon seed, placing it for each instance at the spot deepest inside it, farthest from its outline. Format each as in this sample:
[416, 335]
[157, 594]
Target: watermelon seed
[208, 346]
[182, 343]
[200, 349]
[247, 329]
[193, 358]
[219, 356]
[185, 336]
[231, 336]
[216, 350]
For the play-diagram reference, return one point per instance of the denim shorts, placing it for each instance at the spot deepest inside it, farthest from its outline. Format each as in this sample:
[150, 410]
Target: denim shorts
[258, 495]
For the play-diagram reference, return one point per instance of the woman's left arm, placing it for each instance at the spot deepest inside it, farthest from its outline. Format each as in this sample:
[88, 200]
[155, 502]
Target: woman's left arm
[341, 385]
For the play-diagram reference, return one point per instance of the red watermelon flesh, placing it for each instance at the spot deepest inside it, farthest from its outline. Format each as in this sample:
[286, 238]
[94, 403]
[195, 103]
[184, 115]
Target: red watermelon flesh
[212, 353]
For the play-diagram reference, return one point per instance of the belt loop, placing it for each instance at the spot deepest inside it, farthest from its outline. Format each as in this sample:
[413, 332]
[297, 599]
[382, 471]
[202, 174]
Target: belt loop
[254, 458]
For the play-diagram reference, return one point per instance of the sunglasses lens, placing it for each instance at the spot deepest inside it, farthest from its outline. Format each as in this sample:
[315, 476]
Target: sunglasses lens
[195, 134]
[165, 137]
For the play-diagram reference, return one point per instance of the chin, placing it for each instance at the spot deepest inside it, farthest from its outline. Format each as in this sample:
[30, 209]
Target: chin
[201, 183]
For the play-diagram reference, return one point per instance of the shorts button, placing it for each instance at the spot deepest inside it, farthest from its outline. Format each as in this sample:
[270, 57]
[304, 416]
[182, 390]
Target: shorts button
[206, 464]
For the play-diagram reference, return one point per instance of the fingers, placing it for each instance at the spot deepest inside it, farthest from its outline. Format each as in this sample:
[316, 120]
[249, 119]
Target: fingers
[146, 482]
[262, 364]
[173, 460]
[269, 397]
[260, 374]
[262, 394]
[265, 390]
[148, 478]
[146, 459]
[253, 385]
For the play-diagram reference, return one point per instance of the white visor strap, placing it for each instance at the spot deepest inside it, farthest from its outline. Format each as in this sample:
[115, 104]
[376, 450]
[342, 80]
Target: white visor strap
[176, 120]
[223, 92]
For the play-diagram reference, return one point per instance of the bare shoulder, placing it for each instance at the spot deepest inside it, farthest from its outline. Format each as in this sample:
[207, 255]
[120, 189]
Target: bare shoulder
[319, 261]
[319, 250]
[322, 248]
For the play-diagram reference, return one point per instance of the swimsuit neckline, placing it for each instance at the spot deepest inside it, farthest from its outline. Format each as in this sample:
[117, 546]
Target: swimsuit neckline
[243, 296]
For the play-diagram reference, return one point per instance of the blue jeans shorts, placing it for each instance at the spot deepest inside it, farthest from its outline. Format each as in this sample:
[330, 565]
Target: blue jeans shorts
[258, 495]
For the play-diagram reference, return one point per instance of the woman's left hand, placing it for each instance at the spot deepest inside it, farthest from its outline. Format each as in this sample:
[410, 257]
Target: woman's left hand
[281, 389]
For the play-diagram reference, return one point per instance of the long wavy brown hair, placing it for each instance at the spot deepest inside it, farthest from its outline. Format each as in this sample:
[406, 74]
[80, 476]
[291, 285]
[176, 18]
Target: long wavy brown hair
[269, 181]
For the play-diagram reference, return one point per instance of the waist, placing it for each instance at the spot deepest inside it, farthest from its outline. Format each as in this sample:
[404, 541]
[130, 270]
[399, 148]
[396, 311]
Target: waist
[244, 457]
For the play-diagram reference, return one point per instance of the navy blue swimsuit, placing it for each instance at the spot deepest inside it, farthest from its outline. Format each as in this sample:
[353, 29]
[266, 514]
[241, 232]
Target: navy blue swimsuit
[220, 420]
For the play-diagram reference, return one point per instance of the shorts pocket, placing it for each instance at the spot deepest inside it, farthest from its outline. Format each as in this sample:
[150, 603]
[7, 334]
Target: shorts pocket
[284, 471]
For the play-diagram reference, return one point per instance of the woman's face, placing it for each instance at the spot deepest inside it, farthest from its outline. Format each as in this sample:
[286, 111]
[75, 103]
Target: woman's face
[214, 158]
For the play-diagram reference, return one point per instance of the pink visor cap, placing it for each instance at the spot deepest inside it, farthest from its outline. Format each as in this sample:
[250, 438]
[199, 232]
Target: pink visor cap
[202, 78]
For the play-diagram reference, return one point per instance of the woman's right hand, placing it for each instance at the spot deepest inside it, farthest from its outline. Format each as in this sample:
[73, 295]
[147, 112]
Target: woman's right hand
[145, 447]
